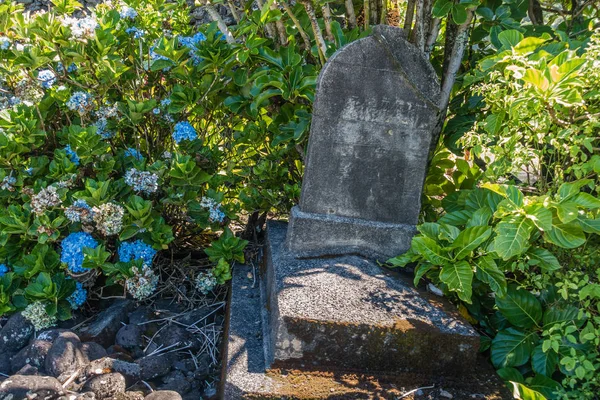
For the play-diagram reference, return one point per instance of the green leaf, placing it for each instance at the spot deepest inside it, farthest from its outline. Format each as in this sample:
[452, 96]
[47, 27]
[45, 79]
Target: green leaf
[459, 14]
[493, 123]
[512, 236]
[430, 250]
[544, 363]
[441, 8]
[589, 225]
[522, 392]
[544, 259]
[458, 276]
[520, 307]
[557, 315]
[567, 211]
[488, 272]
[455, 218]
[510, 38]
[586, 200]
[511, 348]
[544, 385]
[469, 239]
[571, 189]
[510, 374]
[480, 217]
[567, 236]
[420, 271]
[540, 215]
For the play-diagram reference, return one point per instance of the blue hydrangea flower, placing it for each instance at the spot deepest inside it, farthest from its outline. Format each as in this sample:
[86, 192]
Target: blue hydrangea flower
[184, 131]
[137, 33]
[192, 42]
[72, 155]
[165, 102]
[3, 270]
[78, 297]
[72, 68]
[4, 43]
[80, 102]
[128, 12]
[141, 181]
[131, 152]
[156, 111]
[136, 250]
[60, 68]
[79, 211]
[29, 171]
[47, 78]
[72, 250]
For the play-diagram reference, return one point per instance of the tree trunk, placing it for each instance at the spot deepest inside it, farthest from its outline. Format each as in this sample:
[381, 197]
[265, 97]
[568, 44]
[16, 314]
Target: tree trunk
[280, 27]
[351, 14]
[233, 10]
[367, 12]
[316, 29]
[536, 15]
[418, 32]
[215, 16]
[384, 7]
[408, 21]
[327, 21]
[301, 31]
[432, 36]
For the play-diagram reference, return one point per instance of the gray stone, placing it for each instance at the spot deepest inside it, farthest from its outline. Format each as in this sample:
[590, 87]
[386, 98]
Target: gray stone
[33, 354]
[28, 370]
[86, 396]
[163, 395]
[129, 336]
[65, 356]
[5, 364]
[373, 118]
[155, 366]
[51, 335]
[105, 327]
[15, 333]
[93, 351]
[29, 386]
[347, 312]
[176, 381]
[131, 371]
[106, 386]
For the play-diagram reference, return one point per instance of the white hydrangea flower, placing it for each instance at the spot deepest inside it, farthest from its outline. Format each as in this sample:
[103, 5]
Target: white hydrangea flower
[37, 315]
[143, 283]
[109, 218]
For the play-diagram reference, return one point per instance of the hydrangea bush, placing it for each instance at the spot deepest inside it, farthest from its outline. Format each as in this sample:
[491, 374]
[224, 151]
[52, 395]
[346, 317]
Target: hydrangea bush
[126, 132]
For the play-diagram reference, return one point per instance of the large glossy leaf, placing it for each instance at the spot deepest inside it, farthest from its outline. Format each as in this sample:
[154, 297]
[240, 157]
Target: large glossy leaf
[455, 218]
[510, 38]
[540, 215]
[458, 276]
[571, 189]
[544, 363]
[586, 200]
[469, 239]
[557, 314]
[512, 236]
[522, 392]
[567, 211]
[480, 217]
[430, 250]
[589, 225]
[511, 348]
[568, 236]
[544, 259]
[544, 385]
[520, 307]
[488, 272]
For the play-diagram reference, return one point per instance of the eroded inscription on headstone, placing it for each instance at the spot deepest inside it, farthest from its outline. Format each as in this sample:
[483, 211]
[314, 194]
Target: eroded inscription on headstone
[373, 120]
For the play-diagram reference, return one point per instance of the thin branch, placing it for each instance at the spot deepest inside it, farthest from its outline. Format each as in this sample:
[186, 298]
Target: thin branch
[351, 14]
[410, 13]
[215, 16]
[366, 12]
[316, 29]
[301, 31]
[327, 22]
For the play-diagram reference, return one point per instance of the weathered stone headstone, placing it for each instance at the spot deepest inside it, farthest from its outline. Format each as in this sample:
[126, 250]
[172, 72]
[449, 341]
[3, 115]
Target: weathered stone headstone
[322, 303]
[373, 118]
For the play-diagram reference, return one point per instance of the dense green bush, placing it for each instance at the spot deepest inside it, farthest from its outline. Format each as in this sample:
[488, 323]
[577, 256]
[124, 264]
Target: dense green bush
[128, 132]
[517, 242]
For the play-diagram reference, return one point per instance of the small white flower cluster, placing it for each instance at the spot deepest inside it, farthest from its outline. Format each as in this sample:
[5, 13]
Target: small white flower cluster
[79, 211]
[143, 283]
[142, 181]
[46, 198]
[81, 28]
[37, 315]
[206, 282]
[28, 92]
[108, 111]
[109, 218]
[8, 183]
[215, 214]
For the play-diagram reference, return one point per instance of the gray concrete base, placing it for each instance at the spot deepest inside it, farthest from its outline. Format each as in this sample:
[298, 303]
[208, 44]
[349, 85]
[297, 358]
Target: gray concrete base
[246, 375]
[347, 312]
[316, 235]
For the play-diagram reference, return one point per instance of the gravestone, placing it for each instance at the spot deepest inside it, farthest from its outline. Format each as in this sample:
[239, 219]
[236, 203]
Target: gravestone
[321, 302]
[373, 119]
